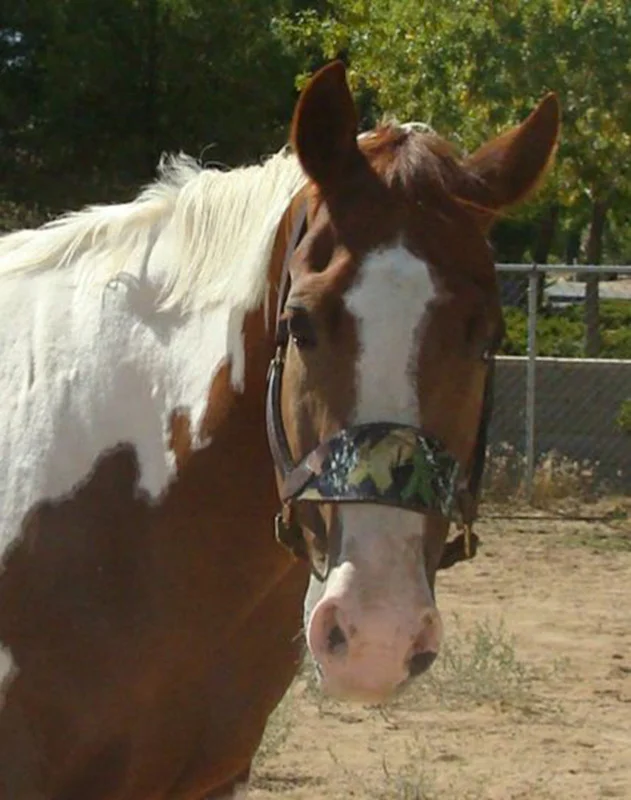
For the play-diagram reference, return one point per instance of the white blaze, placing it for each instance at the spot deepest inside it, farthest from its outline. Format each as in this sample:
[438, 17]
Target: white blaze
[379, 585]
[388, 303]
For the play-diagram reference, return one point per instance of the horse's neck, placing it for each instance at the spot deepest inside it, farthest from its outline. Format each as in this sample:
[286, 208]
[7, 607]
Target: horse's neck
[87, 369]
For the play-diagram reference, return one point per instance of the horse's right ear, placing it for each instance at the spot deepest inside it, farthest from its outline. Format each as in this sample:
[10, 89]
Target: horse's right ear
[512, 165]
[324, 127]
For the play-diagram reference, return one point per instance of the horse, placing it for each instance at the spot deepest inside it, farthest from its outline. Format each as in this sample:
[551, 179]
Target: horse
[301, 346]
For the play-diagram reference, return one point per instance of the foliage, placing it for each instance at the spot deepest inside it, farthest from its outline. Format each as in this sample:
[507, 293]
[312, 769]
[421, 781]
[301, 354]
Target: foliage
[92, 91]
[623, 420]
[14, 216]
[557, 479]
[561, 332]
[470, 68]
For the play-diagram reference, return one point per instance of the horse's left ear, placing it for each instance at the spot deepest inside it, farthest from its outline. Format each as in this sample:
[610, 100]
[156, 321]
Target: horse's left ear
[324, 127]
[513, 164]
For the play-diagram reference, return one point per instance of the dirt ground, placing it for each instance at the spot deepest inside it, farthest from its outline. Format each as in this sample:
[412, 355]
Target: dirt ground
[530, 699]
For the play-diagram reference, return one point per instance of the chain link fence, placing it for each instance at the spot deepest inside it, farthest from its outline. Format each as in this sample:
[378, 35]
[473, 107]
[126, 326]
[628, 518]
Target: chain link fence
[562, 421]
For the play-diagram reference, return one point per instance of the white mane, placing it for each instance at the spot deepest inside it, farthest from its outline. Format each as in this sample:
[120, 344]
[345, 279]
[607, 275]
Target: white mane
[221, 228]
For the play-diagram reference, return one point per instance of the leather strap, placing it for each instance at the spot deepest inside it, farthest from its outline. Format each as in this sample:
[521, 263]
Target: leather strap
[279, 446]
[285, 275]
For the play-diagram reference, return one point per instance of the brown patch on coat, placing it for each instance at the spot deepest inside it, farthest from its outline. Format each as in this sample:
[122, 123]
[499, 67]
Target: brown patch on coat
[221, 392]
[159, 635]
[219, 403]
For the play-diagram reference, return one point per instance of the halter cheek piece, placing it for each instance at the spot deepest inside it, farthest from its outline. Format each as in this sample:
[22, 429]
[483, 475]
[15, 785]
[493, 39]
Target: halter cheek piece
[383, 463]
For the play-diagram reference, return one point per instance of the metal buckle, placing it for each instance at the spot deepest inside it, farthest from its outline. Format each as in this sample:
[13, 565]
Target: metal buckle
[276, 361]
[288, 534]
[280, 529]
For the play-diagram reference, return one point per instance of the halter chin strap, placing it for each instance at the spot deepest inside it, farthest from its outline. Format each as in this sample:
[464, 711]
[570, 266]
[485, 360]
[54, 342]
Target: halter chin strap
[382, 463]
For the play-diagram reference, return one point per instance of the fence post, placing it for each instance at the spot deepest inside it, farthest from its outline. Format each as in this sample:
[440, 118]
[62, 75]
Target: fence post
[531, 374]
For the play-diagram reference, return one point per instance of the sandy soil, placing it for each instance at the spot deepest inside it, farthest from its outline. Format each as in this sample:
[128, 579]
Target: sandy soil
[531, 700]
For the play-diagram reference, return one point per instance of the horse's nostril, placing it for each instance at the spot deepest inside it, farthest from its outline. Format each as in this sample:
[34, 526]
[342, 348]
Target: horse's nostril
[336, 639]
[420, 662]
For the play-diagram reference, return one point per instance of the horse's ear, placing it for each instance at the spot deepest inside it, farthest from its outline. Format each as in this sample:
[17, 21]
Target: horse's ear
[513, 164]
[324, 127]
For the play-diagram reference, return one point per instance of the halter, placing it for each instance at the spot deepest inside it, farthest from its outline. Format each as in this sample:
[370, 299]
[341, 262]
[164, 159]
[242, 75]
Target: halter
[380, 463]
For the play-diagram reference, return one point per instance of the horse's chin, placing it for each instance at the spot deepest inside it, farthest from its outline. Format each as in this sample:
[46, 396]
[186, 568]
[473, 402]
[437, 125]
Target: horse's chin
[354, 695]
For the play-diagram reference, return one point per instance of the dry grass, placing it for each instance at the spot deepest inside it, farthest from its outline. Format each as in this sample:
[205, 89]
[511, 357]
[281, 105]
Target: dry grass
[409, 781]
[412, 777]
[556, 478]
[475, 667]
[479, 666]
[278, 728]
[611, 541]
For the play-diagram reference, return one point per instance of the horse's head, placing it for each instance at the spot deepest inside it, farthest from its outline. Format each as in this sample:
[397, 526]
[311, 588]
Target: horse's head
[385, 339]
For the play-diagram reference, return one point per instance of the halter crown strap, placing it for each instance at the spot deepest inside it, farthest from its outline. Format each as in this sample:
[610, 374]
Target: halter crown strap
[276, 436]
[285, 275]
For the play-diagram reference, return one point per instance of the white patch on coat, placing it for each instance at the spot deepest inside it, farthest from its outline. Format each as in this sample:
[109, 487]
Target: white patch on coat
[87, 369]
[113, 318]
[216, 231]
[8, 671]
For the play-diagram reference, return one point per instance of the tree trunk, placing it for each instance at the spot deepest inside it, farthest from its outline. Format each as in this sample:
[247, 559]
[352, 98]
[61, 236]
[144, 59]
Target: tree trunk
[593, 255]
[543, 245]
[573, 246]
[545, 237]
[150, 89]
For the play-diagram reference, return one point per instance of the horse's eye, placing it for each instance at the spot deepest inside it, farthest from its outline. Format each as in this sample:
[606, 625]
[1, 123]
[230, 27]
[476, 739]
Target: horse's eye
[301, 329]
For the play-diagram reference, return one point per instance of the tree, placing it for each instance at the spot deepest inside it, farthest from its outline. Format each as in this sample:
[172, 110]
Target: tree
[92, 91]
[469, 68]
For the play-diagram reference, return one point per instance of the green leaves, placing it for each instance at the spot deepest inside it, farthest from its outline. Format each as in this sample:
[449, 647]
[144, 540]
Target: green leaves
[561, 332]
[91, 91]
[623, 420]
[470, 68]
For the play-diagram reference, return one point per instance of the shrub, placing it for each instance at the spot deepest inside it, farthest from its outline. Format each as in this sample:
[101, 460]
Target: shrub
[561, 332]
[623, 420]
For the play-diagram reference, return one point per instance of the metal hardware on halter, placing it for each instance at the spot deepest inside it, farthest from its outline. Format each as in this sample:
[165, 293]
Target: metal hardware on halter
[289, 534]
